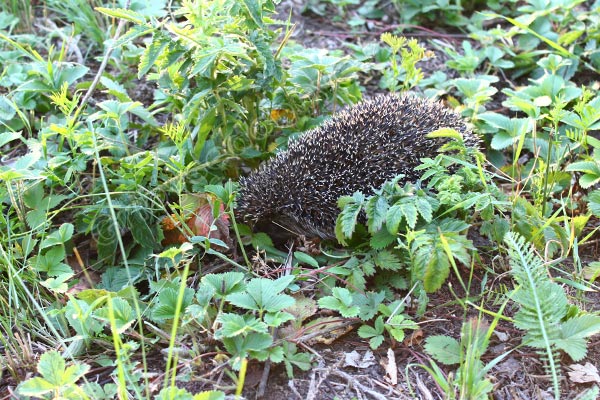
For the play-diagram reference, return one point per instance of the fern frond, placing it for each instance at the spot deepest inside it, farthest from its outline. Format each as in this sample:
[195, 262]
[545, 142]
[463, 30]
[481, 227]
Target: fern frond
[543, 303]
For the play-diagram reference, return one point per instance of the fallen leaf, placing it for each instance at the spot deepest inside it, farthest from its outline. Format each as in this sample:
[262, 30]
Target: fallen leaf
[391, 369]
[414, 339]
[200, 222]
[584, 373]
[354, 359]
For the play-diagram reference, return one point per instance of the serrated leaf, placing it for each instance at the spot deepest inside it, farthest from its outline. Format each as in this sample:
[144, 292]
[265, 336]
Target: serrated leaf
[424, 208]
[410, 214]
[278, 318]
[151, 53]
[123, 13]
[122, 312]
[583, 166]
[348, 218]
[588, 180]
[58, 284]
[376, 209]
[78, 313]
[52, 366]
[225, 283]
[581, 326]
[366, 332]
[375, 333]
[502, 140]
[133, 33]
[254, 8]
[264, 295]
[6, 137]
[382, 239]
[235, 324]
[59, 237]
[387, 260]
[35, 387]
[240, 345]
[368, 303]
[341, 301]
[444, 349]
[576, 348]
[166, 307]
[393, 218]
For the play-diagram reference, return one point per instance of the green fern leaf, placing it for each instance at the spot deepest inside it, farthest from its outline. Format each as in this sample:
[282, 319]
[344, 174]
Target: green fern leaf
[543, 303]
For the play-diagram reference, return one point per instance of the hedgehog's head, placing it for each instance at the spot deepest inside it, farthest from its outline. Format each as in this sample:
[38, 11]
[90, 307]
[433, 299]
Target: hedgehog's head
[269, 208]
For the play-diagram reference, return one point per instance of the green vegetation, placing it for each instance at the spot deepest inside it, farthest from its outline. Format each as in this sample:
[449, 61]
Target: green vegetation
[125, 125]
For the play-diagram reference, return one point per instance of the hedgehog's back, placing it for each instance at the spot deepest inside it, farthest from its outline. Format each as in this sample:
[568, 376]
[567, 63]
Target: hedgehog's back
[357, 150]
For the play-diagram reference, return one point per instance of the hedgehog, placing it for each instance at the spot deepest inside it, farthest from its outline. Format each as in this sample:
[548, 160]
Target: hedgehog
[358, 149]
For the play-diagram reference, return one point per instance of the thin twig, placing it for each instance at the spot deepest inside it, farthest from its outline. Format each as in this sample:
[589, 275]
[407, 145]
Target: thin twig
[102, 67]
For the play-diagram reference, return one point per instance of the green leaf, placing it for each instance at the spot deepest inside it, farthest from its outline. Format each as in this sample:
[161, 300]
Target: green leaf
[347, 219]
[35, 387]
[588, 180]
[254, 8]
[58, 284]
[278, 318]
[341, 301]
[122, 312]
[225, 283]
[306, 259]
[376, 209]
[52, 367]
[209, 395]
[263, 295]
[122, 13]
[6, 137]
[239, 346]
[368, 303]
[293, 358]
[387, 260]
[51, 262]
[410, 213]
[166, 306]
[424, 207]
[78, 313]
[581, 326]
[594, 202]
[444, 349]
[59, 237]
[151, 53]
[374, 333]
[261, 240]
[393, 218]
[138, 222]
[382, 239]
[235, 324]
[396, 326]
